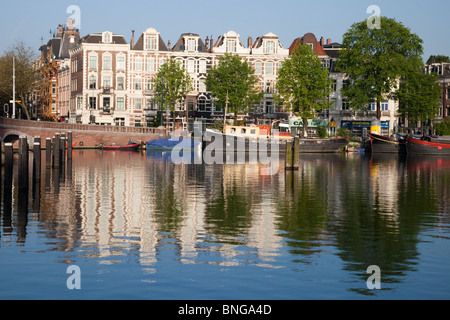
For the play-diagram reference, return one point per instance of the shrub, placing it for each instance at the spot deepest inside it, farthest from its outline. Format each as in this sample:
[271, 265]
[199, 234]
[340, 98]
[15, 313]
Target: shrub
[443, 128]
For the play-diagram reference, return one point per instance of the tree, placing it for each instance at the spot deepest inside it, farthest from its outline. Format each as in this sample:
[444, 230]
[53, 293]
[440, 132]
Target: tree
[418, 96]
[303, 85]
[233, 83]
[26, 75]
[171, 84]
[375, 59]
[438, 59]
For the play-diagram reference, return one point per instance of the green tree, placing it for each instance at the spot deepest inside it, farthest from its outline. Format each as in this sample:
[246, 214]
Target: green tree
[375, 59]
[438, 59]
[303, 85]
[418, 96]
[171, 85]
[233, 84]
[26, 75]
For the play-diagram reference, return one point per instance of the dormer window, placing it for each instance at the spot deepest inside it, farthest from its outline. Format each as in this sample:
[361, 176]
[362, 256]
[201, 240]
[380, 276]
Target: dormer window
[191, 45]
[270, 47]
[151, 43]
[231, 46]
[107, 37]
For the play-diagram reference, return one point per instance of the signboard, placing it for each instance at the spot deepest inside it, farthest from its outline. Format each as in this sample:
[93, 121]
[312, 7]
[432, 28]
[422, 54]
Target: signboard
[311, 123]
[362, 124]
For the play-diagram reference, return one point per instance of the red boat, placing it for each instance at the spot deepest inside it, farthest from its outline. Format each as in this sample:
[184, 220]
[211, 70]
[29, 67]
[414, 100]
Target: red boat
[128, 147]
[428, 146]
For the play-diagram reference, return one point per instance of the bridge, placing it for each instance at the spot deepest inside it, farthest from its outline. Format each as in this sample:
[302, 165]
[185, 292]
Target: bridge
[84, 136]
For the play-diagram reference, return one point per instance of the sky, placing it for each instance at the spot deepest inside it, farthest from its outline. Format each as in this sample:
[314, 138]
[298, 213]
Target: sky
[32, 20]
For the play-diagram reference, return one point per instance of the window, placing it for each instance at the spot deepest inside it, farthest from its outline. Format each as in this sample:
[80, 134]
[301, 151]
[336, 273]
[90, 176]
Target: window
[269, 68]
[201, 86]
[191, 66]
[150, 65]
[345, 105]
[138, 84]
[138, 64]
[120, 83]
[92, 103]
[93, 62]
[231, 46]
[120, 104]
[106, 104]
[53, 88]
[191, 45]
[92, 82]
[107, 63]
[138, 104]
[270, 47]
[107, 82]
[151, 43]
[385, 106]
[202, 66]
[258, 68]
[162, 61]
[120, 63]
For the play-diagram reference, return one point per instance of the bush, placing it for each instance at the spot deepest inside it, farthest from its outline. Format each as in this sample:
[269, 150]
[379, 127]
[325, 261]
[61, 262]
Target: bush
[443, 128]
[344, 133]
[322, 132]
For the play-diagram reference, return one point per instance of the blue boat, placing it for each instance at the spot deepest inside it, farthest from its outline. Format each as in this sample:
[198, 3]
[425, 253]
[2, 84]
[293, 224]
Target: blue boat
[170, 144]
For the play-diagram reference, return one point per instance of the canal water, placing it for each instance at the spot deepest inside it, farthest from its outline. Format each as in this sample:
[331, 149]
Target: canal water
[139, 226]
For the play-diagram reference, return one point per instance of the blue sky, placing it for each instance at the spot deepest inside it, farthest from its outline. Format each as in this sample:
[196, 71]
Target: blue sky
[29, 21]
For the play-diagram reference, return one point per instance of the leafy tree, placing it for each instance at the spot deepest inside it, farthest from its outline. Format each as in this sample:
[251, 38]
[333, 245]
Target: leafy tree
[375, 59]
[26, 75]
[438, 59]
[443, 128]
[171, 84]
[303, 85]
[233, 83]
[418, 96]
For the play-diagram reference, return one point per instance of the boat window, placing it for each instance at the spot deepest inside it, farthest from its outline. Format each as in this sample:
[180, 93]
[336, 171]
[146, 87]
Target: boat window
[243, 131]
[253, 131]
[233, 130]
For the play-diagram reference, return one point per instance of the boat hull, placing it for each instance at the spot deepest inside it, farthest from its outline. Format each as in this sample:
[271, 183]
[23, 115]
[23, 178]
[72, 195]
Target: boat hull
[382, 144]
[322, 145]
[229, 143]
[425, 147]
[131, 147]
[171, 144]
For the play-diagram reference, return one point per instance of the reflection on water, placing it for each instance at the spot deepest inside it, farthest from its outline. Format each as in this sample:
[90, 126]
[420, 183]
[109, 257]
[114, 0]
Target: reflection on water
[341, 213]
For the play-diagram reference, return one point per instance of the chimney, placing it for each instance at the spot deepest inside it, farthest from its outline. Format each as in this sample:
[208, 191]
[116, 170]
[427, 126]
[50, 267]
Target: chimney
[250, 42]
[328, 41]
[60, 31]
[211, 44]
[207, 42]
[169, 47]
[321, 41]
[132, 40]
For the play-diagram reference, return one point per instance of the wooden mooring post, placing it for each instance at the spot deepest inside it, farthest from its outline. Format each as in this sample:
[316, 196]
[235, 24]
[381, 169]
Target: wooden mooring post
[8, 167]
[293, 154]
[23, 167]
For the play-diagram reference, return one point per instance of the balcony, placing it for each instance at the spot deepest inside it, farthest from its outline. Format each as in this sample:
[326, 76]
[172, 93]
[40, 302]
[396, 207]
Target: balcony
[107, 90]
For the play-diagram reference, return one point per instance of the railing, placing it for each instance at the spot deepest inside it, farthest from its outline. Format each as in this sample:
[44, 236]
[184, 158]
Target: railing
[6, 122]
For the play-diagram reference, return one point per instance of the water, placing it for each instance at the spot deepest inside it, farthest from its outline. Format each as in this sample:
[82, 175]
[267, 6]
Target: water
[140, 227]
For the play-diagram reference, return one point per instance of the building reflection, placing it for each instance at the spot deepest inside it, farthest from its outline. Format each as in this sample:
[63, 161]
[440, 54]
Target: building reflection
[121, 206]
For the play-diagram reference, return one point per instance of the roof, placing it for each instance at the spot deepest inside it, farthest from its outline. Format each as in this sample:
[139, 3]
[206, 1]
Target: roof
[97, 38]
[180, 45]
[308, 38]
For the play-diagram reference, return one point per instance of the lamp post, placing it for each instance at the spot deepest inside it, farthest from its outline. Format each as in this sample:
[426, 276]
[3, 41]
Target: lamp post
[14, 88]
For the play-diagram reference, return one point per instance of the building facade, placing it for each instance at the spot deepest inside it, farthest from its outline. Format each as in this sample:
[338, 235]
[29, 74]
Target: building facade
[111, 81]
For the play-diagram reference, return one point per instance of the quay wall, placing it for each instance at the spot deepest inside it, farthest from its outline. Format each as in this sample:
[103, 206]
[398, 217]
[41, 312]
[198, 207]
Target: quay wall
[85, 136]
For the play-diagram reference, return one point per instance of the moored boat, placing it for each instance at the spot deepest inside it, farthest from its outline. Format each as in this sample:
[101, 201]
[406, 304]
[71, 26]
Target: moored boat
[383, 144]
[331, 145]
[170, 144]
[428, 146]
[131, 146]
